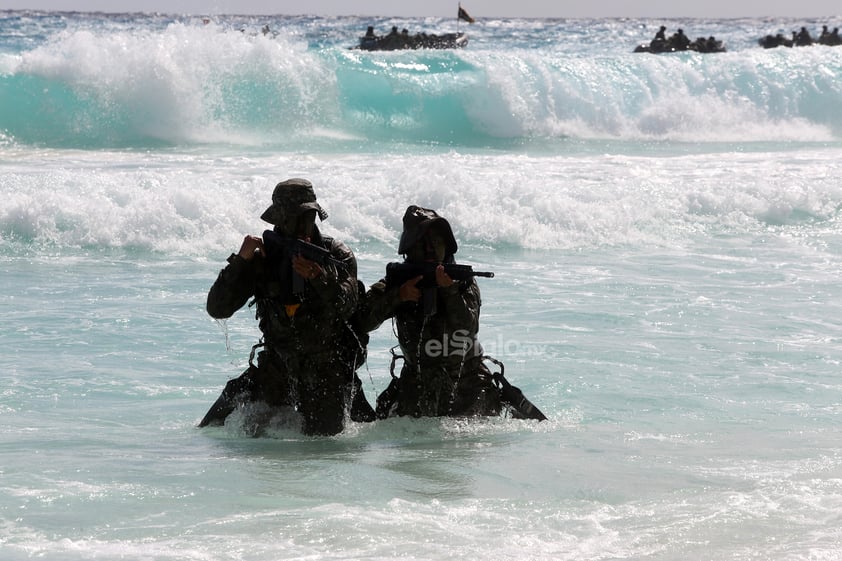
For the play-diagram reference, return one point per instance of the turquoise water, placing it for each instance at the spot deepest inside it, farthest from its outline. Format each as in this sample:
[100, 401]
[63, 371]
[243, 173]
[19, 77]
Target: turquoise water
[665, 233]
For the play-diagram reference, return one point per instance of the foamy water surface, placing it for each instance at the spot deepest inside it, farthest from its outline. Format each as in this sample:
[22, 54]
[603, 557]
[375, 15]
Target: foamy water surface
[664, 233]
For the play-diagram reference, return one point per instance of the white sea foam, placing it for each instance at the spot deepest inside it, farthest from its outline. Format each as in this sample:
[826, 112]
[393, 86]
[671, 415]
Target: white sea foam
[188, 205]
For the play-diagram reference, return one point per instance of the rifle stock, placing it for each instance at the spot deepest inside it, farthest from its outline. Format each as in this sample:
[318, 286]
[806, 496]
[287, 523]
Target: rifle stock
[511, 395]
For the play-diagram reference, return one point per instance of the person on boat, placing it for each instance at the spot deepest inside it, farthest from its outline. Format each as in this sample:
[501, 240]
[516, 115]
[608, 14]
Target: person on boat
[679, 41]
[661, 34]
[706, 45]
[803, 38]
[392, 41]
[309, 351]
[771, 41]
[443, 373]
[714, 45]
[824, 35]
[829, 38]
[659, 42]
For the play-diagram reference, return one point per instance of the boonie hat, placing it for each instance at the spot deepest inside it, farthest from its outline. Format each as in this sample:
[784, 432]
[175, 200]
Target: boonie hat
[289, 199]
[416, 221]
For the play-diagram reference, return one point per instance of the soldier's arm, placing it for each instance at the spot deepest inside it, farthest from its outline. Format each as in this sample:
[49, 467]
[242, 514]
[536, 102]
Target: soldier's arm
[338, 284]
[232, 288]
[378, 305]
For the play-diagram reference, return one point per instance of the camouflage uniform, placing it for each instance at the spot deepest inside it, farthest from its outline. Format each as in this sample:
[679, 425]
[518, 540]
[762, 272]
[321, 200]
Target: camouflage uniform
[310, 353]
[443, 373]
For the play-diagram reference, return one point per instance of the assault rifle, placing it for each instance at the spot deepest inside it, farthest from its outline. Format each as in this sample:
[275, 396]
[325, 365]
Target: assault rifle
[399, 273]
[281, 249]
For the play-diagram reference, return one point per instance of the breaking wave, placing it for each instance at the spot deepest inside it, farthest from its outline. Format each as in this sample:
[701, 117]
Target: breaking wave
[195, 84]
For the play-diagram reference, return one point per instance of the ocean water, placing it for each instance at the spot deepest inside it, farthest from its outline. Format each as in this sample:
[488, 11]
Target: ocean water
[667, 242]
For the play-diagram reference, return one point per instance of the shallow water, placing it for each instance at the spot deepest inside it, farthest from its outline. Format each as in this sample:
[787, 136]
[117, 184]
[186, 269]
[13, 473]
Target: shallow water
[664, 233]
